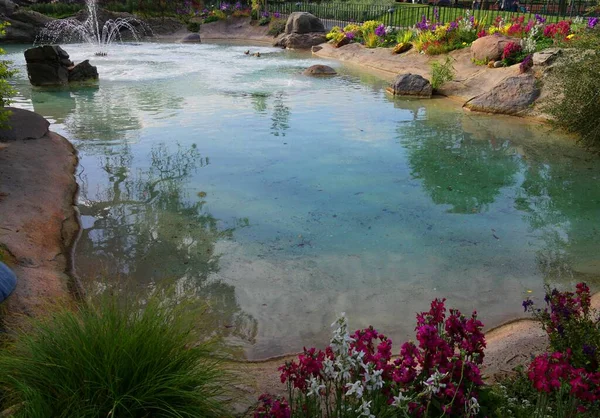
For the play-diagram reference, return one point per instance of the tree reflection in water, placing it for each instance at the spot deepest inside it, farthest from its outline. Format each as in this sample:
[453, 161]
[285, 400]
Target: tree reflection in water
[141, 226]
[455, 168]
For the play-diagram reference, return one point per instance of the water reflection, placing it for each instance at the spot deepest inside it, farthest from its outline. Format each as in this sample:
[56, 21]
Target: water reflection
[280, 116]
[455, 168]
[141, 223]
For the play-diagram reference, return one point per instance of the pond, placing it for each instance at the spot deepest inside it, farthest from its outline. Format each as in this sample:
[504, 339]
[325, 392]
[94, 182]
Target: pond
[284, 200]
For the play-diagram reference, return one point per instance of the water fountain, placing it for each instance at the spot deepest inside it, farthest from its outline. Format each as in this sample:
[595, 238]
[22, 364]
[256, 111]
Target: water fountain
[90, 31]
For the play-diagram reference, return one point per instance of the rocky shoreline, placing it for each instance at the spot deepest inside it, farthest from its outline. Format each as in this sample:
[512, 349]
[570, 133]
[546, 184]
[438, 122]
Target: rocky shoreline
[39, 223]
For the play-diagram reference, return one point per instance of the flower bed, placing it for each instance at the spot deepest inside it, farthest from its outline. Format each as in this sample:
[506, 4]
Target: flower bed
[435, 37]
[439, 375]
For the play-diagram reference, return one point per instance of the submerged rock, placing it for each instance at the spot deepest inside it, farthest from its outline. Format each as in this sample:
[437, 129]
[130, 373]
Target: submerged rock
[192, 38]
[411, 85]
[8, 281]
[511, 96]
[319, 71]
[49, 65]
[490, 48]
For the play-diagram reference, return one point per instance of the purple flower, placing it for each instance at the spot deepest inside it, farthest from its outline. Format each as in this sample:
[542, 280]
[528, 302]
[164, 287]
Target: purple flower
[453, 25]
[350, 35]
[436, 14]
[589, 350]
[224, 6]
[237, 6]
[380, 30]
[526, 304]
[592, 22]
[276, 15]
[422, 25]
[265, 14]
[540, 19]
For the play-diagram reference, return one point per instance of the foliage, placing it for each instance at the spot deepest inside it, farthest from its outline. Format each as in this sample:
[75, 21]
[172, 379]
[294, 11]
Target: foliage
[113, 357]
[56, 10]
[193, 26]
[6, 90]
[441, 73]
[574, 96]
[211, 18]
[355, 375]
[277, 27]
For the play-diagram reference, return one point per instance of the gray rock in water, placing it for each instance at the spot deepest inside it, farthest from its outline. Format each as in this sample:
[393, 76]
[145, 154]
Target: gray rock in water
[8, 281]
[84, 71]
[24, 25]
[46, 65]
[24, 124]
[301, 40]
[411, 85]
[303, 22]
[319, 71]
[511, 96]
[192, 38]
[49, 65]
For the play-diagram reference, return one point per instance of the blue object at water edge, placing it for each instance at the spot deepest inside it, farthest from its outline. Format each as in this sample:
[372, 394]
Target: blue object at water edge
[8, 281]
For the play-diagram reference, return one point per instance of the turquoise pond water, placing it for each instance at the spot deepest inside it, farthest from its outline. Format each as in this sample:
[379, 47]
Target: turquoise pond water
[285, 200]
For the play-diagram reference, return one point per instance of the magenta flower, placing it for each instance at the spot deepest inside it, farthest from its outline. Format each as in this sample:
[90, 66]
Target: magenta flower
[380, 31]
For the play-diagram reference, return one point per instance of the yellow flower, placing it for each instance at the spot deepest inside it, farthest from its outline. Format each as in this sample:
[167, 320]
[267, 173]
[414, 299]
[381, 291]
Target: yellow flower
[464, 43]
[492, 30]
[571, 36]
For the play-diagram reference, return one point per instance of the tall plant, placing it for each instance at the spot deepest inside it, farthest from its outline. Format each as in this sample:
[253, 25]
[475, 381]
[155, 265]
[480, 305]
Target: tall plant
[6, 90]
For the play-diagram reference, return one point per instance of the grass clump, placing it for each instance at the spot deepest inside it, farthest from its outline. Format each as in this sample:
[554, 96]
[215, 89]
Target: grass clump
[193, 27]
[574, 97]
[112, 359]
[441, 72]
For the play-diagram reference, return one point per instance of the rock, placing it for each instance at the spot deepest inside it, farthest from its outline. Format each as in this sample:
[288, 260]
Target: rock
[7, 7]
[301, 40]
[498, 64]
[319, 71]
[341, 42]
[192, 38]
[24, 26]
[8, 281]
[491, 64]
[511, 96]
[410, 85]
[303, 22]
[84, 71]
[402, 47]
[490, 48]
[316, 48]
[546, 57]
[49, 65]
[24, 124]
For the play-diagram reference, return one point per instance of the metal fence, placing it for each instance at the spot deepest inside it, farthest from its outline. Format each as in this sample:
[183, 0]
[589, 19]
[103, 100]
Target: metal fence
[408, 14]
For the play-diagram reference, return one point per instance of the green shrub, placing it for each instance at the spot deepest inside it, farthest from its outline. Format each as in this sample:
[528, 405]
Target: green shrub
[112, 358]
[264, 21]
[211, 18]
[6, 90]
[277, 27]
[193, 27]
[574, 97]
[57, 10]
[441, 73]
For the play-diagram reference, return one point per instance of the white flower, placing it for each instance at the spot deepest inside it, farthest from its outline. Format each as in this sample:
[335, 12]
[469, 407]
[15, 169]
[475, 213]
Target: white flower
[329, 368]
[314, 387]
[472, 407]
[355, 388]
[400, 400]
[364, 410]
[434, 384]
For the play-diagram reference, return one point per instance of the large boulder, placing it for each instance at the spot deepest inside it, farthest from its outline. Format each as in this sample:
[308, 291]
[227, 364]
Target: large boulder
[84, 71]
[490, 48]
[50, 65]
[301, 40]
[411, 85]
[511, 96]
[319, 70]
[24, 124]
[25, 25]
[303, 22]
[7, 7]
